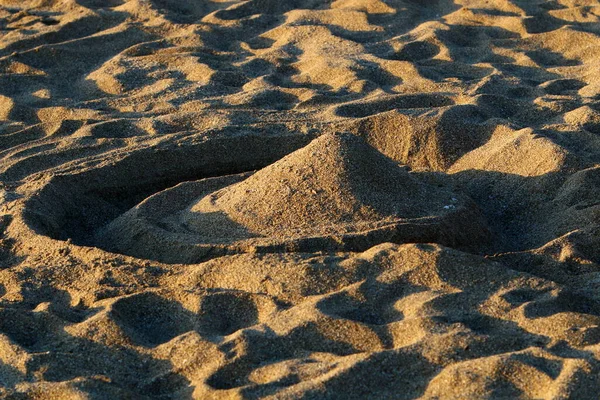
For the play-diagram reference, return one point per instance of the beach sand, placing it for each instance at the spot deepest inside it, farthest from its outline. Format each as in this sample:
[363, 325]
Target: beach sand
[299, 199]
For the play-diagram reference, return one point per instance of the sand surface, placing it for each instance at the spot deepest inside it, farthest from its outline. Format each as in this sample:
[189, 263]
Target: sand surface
[299, 199]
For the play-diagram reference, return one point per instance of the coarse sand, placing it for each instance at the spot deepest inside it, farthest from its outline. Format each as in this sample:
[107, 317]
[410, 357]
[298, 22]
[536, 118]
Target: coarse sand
[311, 199]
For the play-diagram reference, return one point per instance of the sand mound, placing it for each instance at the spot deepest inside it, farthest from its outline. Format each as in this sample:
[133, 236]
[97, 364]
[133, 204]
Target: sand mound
[420, 133]
[181, 218]
[336, 180]
[336, 193]
[520, 153]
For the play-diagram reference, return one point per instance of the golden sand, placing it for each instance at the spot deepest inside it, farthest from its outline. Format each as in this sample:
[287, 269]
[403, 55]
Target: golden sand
[299, 199]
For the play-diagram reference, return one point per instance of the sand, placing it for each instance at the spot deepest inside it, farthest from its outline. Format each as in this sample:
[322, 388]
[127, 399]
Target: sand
[299, 199]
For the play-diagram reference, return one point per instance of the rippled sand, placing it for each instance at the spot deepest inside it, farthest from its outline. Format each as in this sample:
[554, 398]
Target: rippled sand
[299, 199]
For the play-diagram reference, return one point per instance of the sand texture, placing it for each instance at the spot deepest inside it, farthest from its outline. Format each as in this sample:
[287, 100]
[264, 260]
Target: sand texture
[313, 199]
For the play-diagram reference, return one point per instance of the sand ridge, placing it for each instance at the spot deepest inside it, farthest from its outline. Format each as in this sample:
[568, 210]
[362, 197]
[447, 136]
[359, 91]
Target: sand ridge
[299, 199]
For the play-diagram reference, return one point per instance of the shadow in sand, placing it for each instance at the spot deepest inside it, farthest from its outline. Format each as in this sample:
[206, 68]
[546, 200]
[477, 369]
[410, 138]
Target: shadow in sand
[57, 356]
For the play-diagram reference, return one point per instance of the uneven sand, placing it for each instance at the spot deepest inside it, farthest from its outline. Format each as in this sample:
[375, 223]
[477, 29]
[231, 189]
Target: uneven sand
[299, 199]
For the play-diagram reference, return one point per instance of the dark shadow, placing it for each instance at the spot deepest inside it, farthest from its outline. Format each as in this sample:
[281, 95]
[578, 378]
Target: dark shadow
[9, 378]
[150, 320]
[265, 348]
[563, 86]
[183, 12]
[372, 305]
[560, 303]
[100, 3]
[416, 51]
[380, 105]
[549, 59]
[372, 72]
[440, 70]
[223, 313]
[541, 23]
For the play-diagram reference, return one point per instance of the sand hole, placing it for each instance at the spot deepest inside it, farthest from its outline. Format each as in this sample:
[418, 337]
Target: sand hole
[416, 51]
[25, 328]
[76, 206]
[150, 319]
[225, 313]
[367, 312]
